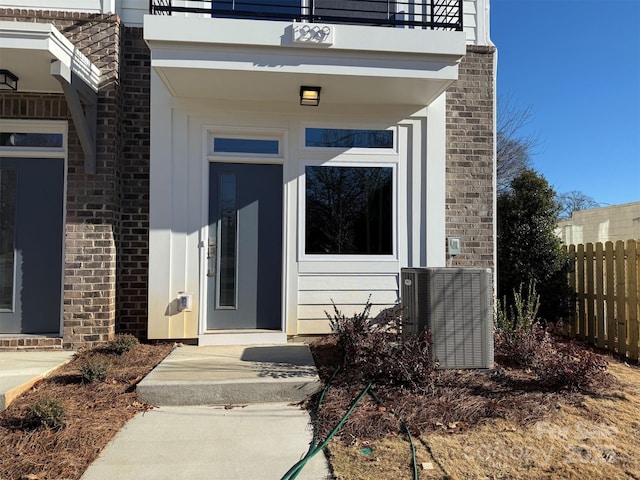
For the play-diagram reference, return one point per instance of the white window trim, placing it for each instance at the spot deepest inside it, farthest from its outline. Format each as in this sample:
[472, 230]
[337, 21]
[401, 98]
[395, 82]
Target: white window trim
[249, 134]
[35, 126]
[344, 150]
[302, 194]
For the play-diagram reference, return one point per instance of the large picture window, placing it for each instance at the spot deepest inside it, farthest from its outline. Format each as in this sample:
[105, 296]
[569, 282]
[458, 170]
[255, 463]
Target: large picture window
[349, 210]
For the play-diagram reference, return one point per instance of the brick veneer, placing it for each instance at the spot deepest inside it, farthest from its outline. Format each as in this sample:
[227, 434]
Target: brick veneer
[133, 251]
[470, 164]
[92, 203]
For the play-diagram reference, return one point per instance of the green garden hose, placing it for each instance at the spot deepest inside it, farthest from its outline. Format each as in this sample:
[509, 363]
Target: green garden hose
[297, 468]
[314, 448]
[414, 461]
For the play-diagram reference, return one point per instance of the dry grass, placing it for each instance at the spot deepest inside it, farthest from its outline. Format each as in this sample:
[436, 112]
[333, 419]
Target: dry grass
[94, 412]
[576, 436]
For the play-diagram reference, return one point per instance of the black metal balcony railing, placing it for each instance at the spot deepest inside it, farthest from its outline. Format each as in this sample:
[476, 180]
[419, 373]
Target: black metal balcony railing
[425, 14]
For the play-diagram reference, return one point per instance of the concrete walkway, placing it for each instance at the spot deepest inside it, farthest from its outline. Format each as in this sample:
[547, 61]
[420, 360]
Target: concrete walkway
[255, 432]
[226, 412]
[19, 370]
[256, 442]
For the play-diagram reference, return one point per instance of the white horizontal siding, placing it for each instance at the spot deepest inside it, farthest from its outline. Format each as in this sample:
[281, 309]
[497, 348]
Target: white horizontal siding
[350, 293]
[346, 297]
[469, 21]
[367, 283]
[475, 21]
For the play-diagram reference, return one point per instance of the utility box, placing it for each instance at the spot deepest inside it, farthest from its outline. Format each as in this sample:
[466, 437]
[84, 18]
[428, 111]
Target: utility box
[455, 304]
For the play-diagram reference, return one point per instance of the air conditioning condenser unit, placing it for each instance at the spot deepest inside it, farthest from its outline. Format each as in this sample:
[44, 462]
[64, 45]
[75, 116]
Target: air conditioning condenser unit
[455, 304]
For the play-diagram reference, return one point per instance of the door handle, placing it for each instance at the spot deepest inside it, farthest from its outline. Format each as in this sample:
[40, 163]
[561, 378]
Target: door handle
[211, 257]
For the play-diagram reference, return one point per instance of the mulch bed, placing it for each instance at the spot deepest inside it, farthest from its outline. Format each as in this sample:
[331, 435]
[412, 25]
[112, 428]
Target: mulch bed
[457, 401]
[93, 414]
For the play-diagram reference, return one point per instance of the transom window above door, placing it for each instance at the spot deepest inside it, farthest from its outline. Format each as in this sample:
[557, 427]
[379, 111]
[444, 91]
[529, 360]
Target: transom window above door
[28, 139]
[251, 146]
[236, 145]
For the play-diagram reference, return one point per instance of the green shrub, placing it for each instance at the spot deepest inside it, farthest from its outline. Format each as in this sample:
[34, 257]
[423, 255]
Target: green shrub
[46, 412]
[521, 313]
[94, 369]
[528, 248]
[123, 343]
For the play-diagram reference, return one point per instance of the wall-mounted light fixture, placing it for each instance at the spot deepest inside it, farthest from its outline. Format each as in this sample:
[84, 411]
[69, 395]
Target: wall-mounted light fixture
[310, 96]
[8, 81]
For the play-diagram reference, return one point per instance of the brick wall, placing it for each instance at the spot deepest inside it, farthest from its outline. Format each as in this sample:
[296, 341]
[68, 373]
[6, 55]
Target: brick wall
[470, 165]
[133, 251]
[92, 208]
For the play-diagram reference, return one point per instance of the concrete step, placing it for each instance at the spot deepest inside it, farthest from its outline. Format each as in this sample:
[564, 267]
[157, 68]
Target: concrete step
[232, 375]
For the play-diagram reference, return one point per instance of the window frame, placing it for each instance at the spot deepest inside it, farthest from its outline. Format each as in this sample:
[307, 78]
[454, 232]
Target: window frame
[240, 134]
[369, 151]
[302, 200]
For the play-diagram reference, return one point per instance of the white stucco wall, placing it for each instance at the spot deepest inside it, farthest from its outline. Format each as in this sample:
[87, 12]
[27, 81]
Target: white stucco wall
[616, 222]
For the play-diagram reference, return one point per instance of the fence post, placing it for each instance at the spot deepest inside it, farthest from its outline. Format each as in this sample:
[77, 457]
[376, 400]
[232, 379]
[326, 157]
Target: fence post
[610, 297]
[572, 285]
[621, 301]
[580, 296]
[599, 296]
[589, 297]
[632, 296]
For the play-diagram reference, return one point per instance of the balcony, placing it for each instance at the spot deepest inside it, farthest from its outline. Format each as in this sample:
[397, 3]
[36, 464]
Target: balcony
[415, 14]
[227, 52]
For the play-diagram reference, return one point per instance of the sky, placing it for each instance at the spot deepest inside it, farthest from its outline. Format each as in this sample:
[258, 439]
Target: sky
[576, 64]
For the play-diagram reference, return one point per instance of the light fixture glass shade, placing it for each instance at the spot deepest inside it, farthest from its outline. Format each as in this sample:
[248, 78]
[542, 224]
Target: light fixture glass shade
[310, 96]
[8, 81]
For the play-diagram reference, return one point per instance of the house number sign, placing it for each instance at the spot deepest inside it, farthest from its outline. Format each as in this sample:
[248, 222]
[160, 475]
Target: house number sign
[313, 34]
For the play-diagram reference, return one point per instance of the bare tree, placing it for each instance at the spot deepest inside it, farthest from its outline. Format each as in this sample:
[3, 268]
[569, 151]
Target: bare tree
[573, 201]
[513, 148]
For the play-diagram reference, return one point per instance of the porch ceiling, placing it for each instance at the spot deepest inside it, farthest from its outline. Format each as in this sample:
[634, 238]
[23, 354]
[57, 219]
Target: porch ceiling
[284, 87]
[44, 60]
[215, 58]
[29, 49]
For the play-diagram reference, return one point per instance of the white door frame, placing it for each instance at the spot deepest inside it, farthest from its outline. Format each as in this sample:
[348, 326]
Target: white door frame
[44, 126]
[235, 337]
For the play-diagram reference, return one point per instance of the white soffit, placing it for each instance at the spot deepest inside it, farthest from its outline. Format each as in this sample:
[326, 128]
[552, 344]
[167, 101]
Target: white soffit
[29, 49]
[248, 60]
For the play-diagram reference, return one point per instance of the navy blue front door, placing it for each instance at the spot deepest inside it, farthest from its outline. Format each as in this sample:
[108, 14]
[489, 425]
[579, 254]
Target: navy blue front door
[31, 221]
[244, 248]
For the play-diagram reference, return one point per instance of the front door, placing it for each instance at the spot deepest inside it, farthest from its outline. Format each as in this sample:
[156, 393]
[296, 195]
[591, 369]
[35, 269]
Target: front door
[31, 223]
[244, 248]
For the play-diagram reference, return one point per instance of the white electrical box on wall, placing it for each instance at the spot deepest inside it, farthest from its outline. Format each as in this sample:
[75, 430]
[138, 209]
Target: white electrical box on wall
[184, 301]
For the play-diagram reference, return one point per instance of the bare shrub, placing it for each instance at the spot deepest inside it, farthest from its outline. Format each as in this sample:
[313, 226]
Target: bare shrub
[521, 341]
[374, 350]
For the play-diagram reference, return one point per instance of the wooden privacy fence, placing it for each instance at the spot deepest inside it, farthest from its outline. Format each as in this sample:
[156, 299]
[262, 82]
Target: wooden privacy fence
[606, 279]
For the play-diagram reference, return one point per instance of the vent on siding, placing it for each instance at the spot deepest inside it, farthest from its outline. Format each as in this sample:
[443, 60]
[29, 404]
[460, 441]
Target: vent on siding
[455, 304]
